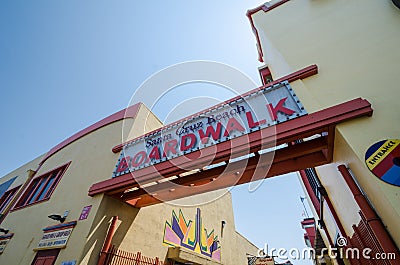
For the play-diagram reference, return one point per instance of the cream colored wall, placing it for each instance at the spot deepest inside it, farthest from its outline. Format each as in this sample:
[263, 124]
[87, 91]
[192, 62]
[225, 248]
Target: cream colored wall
[339, 193]
[21, 173]
[138, 230]
[147, 122]
[12, 257]
[142, 230]
[92, 161]
[245, 246]
[355, 45]
[108, 208]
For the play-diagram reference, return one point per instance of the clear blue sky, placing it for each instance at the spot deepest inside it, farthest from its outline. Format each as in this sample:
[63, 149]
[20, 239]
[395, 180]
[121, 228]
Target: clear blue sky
[67, 64]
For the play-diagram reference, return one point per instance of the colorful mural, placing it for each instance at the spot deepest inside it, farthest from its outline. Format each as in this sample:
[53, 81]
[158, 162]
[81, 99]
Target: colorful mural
[191, 235]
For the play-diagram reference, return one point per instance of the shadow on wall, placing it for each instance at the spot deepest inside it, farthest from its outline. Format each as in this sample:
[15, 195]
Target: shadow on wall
[108, 208]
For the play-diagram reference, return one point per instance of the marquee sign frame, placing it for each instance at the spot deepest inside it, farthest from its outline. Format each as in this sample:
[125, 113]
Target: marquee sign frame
[243, 115]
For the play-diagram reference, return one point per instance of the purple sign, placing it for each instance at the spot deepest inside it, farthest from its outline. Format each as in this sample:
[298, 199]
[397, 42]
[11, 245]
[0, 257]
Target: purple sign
[85, 212]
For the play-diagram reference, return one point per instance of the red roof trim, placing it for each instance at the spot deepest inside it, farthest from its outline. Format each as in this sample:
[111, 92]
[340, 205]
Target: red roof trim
[249, 14]
[129, 112]
[61, 226]
[300, 74]
[288, 131]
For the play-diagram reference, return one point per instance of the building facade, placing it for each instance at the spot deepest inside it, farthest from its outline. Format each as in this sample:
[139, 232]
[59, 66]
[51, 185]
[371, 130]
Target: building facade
[49, 218]
[354, 44]
[325, 64]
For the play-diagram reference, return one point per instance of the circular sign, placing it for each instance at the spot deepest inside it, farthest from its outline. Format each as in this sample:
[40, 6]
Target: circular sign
[383, 160]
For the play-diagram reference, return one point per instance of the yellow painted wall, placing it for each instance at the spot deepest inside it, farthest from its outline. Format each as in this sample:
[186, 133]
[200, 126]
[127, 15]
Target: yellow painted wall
[143, 230]
[138, 230]
[355, 45]
[91, 161]
[145, 122]
[22, 174]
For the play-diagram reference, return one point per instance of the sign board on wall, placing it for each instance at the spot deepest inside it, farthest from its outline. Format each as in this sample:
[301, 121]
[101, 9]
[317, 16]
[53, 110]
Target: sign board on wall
[54, 239]
[192, 235]
[240, 116]
[264, 261]
[68, 262]
[85, 212]
[383, 160]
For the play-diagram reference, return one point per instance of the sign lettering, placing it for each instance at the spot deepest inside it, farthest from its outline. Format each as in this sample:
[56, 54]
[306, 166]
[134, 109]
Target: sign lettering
[240, 116]
[54, 239]
[383, 160]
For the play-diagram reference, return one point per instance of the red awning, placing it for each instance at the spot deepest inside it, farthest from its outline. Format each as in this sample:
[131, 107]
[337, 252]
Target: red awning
[197, 177]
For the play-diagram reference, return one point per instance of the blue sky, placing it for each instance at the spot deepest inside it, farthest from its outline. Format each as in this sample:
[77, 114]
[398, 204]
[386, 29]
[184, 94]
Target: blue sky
[67, 64]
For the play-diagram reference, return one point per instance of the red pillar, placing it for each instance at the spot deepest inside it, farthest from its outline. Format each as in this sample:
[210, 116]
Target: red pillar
[379, 231]
[107, 241]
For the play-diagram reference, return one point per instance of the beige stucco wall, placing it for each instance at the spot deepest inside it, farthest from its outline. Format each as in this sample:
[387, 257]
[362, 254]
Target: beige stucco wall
[138, 230]
[91, 161]
[246, 246]
[145, 122]
[355, 45]
[22, 174]
[143, 230]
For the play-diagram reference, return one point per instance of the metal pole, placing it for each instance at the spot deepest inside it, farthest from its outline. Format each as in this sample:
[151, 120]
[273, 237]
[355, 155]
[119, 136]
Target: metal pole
[107, 241]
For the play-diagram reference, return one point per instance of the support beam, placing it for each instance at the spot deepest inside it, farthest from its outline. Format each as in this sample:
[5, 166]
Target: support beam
[267, 165]
[185, 191]
[265, 160]
[323, 121]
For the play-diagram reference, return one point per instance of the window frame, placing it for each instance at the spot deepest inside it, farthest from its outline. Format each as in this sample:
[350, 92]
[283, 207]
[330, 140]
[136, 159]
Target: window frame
[7, 197]
[265, 75]
[38, 185]
[313, 185]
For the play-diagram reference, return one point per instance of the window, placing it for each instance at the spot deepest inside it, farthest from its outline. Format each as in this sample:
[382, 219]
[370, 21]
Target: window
[46, 257]
[6, 198]
[265, 75]
[313, 187]
[314, 182]
[41, 187]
